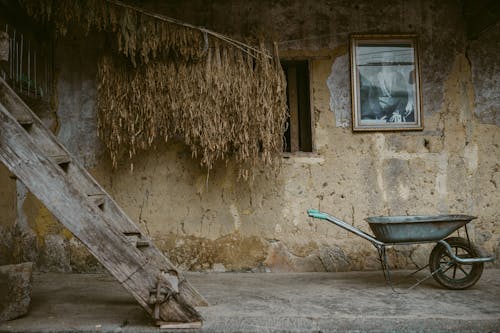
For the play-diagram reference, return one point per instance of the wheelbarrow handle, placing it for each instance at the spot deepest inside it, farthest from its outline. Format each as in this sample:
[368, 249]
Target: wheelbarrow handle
[464, 260]
[324, 216]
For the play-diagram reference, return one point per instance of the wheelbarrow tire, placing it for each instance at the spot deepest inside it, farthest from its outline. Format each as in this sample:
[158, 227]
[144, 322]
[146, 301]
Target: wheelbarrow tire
[457, 276]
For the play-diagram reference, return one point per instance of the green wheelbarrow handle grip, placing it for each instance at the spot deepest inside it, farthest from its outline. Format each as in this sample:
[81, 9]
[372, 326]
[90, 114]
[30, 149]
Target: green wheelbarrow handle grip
[317, 214]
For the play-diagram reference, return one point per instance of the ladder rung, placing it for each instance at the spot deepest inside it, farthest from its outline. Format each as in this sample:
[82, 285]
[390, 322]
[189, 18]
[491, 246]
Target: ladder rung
[26, 126]
[132, 233]
[142, 243]
[60, 159]
[98, 199]
[135, 239]
[25, 120]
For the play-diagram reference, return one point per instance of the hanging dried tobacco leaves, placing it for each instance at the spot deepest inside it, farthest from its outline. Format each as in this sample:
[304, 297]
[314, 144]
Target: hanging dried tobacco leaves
[224, 100]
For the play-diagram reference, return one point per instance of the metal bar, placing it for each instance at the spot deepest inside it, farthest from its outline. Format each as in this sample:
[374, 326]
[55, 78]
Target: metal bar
[29, 67]
[45, 71]
[293, 108]
[34, 72]
[51, 68]
[428, 276]
[344, 225]
[385, 266]
[464, 260]
[418, 270]
[17, 62]
[11, 56]
[14, 53]
[467, 234]
[21, 66]
[387, 276]
[4, 73]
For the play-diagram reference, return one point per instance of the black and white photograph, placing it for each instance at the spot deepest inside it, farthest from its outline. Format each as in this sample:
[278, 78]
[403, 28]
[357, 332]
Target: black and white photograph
[385, 83]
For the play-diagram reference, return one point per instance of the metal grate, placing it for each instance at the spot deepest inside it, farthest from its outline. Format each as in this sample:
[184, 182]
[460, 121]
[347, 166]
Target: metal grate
[30, 69]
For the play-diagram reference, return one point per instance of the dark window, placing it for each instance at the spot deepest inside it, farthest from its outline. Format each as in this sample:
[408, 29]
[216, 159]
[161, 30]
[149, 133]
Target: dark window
[299, 132]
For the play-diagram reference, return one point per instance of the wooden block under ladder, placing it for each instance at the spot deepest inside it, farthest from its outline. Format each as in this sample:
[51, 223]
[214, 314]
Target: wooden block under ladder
[163, 324]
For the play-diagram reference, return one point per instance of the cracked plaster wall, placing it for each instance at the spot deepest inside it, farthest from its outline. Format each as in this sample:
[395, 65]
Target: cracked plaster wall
[483, 54]
[216, 223]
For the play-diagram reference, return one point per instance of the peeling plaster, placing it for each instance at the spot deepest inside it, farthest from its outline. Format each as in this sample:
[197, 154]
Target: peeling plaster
[379, 148]
[338, 83]
[236, 216]
[22, 221]
[471, 155]
[442, 182]
[483, 55]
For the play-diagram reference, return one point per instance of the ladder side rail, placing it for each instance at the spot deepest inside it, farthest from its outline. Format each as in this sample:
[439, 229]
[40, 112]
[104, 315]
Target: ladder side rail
[23, 159]
[50, 184]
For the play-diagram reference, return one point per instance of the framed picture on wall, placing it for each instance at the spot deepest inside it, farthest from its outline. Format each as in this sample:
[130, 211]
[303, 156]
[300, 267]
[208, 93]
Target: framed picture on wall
[385, 83]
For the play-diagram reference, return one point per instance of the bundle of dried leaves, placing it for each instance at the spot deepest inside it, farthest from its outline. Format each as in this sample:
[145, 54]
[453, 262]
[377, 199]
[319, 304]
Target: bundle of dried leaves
[172, 81]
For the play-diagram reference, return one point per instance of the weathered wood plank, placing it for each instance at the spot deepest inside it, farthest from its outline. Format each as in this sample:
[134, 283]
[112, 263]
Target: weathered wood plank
[179, 325]
[15, 105]
[60, 159]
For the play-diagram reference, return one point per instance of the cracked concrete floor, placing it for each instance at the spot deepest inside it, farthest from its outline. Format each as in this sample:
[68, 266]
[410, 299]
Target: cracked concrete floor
[267, 302]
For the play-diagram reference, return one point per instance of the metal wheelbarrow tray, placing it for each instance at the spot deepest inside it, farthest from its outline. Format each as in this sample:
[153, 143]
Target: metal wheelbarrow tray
[415, 229]
[455, 262]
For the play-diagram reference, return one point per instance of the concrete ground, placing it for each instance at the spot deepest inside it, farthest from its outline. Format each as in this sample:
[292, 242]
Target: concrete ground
[248, 302]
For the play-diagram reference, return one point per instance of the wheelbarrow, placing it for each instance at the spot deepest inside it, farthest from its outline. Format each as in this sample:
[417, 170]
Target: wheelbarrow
[454, 262]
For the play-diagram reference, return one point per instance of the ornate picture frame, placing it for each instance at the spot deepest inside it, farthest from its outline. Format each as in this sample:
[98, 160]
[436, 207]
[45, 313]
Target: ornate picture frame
[385, 83]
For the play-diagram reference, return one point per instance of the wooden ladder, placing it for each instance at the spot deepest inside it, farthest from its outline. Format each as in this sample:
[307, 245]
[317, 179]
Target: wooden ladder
[35, 156]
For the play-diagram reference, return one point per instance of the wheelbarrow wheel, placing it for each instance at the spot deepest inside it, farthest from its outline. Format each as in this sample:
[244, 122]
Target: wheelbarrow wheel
[451, 274]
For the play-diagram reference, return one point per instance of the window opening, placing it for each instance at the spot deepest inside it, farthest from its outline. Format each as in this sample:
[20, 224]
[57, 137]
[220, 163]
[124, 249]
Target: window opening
[298, 136]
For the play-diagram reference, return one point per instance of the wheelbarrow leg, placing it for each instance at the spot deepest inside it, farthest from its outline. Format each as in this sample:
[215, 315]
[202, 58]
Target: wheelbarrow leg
[386, 269]
[384, 262]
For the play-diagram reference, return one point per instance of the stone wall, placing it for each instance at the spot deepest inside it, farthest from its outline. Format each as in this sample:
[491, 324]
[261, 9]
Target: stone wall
[214, 222]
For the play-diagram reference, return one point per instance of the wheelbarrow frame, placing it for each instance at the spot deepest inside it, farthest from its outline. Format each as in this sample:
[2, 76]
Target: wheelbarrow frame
[438, 232]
